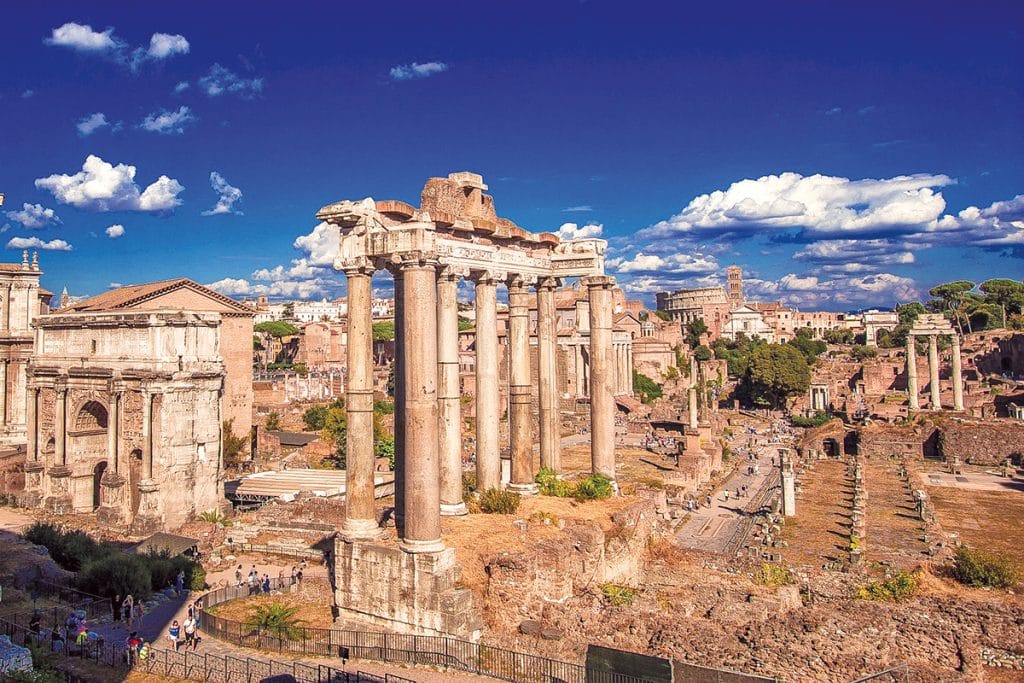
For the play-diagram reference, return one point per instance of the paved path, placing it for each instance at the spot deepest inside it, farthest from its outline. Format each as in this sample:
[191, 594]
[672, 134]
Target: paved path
[156, 623]
[711, 528]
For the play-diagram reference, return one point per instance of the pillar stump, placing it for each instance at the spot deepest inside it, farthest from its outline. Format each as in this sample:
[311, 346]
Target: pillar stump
[148, 519]
[58, 484]
[113, 509]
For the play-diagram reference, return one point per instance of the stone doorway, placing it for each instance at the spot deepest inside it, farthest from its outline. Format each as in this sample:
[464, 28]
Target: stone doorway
[97, 477]
[850, 442]
[831, 448]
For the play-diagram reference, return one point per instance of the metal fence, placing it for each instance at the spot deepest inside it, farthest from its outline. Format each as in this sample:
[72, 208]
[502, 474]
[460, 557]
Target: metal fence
[94, 605]
[398, 648]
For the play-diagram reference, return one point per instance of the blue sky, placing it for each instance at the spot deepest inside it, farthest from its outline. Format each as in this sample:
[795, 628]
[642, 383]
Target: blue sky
[844, 157]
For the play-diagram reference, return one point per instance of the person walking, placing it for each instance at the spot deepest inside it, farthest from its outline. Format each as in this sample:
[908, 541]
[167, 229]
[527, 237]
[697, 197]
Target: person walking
[173, 633]
[138, 614]
[179, 581]
[238, 576]
[127, 606]
[190, 633]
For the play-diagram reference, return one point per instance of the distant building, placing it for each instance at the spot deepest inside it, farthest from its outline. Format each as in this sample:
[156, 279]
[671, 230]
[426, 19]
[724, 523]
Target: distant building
[315, 311]
[749, 322]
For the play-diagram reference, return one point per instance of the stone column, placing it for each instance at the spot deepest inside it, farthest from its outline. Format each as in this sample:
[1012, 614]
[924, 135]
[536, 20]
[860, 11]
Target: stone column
[60, 426]
[691, 395]
[113, 434]
[629, 369]
[602, 402]
[7, 307]
[33, 466]
[147, 436]
[58, 498]
[360, 519]
[400, 443]
[149, 517]
[958, 377]
[788, 487]
[448, 393]
[520, 391]
[933, 371]
[547, 374]
[912, 390]
[488, 457]
[581, 390]
[3, 392]
[418, 329]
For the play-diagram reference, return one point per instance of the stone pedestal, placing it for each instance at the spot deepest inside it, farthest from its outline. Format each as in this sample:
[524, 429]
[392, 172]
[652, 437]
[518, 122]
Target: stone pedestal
[58, 501]
[33, 495]
[113, 509]
[408, 592]
[148, 519]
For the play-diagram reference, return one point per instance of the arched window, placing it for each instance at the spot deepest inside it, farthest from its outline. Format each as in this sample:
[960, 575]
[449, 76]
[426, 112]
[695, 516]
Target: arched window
[92, 415]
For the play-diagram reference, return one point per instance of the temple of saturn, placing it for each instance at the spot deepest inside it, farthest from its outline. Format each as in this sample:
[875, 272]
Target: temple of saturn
[933, 325]
[454, 235]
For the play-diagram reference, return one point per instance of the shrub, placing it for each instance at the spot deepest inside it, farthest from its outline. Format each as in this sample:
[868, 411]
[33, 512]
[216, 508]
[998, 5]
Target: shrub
[72, 550]
[273, 423]
[645, 387]
[815, 421]
[977, 568]
[277, 619]
[773, 575]
[214, 516]
[594, 487]
[544, 518]
[384, 407]
[618, 596]
[117, 574]
[549, 484]
[899, 587]
[499, 502]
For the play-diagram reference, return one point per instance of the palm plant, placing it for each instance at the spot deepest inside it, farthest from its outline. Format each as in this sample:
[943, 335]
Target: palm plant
[277, 619]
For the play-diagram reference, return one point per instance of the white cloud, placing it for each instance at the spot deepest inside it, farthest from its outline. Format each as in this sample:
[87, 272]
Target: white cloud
[27, 94]
[875, 289]
[672, 263]
[168, 122]
[36, 243]
[181, 87]
[405, 72]
[572, 231]
[242, 287]
[818, 206]
[220, 80]
[164, 45]
[321, 244]
[34, 216]
[82, 37]
[90, 124]
[583, 208]
[865, 254]
[115, 231]
[228, 196]
[100, 186]
[833, 111]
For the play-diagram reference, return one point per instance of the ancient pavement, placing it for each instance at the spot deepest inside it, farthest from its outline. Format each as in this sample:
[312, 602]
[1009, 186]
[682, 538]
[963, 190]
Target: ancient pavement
[711, 528]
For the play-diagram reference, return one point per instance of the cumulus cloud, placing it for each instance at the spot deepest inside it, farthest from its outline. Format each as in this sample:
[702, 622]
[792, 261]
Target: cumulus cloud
[115, 231]
[405, 72]
[672, 263]
[101, 186]
[878, 289]
[306, 289]
[181, 87]
[1001, 224]
[578, 209]
[36, 243]
[34, 216]
[228, 196]
[572, 231]
[164, 45]
[27, 94]
[81, 37]
[856, 255]
[168, 122]
[92, 123]
[817, 206]
[219, 81]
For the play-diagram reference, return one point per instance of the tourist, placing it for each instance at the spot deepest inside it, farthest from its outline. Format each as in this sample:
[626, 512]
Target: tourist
[173, 633]
[143, 652]
[138, 614]
[131, 647]
[115, 607]
[298, 577]
[126, 609]
[190, 633]
[238, 576]
[56, 638]
[280, 578]
[179, 581]
[266, 583]
[294, 573]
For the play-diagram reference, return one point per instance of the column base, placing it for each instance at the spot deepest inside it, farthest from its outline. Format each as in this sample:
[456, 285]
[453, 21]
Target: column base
[148, 519]
[59, 505]
[33, 495]
[454, 509]
[58, 501]
[415, 547]
[360, 530]
[523, 489]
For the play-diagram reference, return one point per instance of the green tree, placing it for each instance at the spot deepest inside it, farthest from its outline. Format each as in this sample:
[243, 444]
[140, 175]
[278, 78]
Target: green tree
[645, 387]
[839, 335]
[694, 330]
[703, 353]
[273, 423]
[466, 324]
[277, 619]
[811, 348]
[334, 432]
[664, 315]
[234, 446]
[909, 312]
[276, 328]
[1005, 293]
[950, 298]
[384, 330]
[776, 372]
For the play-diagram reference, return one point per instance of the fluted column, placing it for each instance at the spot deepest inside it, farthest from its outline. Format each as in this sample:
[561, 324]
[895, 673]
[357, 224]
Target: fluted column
[360, 519]
[400, 442]
[448, 395]
[602, 402]
[113, 431]
[912, 389]
[147, 436]
[3, 392]
[418, 330]
[488, 457]
[60, 427]
[933, 371]
[958, 377]
[520, 392]
[7, 307]
[32, 425]
[580, 373]
[691, 394]
[547, 375]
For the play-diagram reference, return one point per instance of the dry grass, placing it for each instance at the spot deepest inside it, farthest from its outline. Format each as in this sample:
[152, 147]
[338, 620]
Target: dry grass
[310, 614]
[820, 532]
[989, 520]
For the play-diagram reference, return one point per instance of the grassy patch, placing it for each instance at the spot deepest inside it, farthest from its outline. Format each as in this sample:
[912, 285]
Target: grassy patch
[618, 596]
[900, 587]
[980, 569]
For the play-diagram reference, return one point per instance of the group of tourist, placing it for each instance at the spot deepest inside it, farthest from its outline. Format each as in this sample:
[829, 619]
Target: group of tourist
[130, 610]
[261, 584]
[654, 442]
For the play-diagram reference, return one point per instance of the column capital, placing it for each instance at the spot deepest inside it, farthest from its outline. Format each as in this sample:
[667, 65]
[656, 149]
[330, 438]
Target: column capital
[487, 277]
[520, 281]
[599, 281]
[412, 259]
[360, 265]
[548, 284]
[447, 272]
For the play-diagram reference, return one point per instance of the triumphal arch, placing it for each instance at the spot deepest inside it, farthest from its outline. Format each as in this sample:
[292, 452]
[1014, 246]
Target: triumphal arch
[454, 235]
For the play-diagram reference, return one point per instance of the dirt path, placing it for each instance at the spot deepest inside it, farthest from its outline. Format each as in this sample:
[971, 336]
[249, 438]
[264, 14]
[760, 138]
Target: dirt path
[820, 532]
[893, 532]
